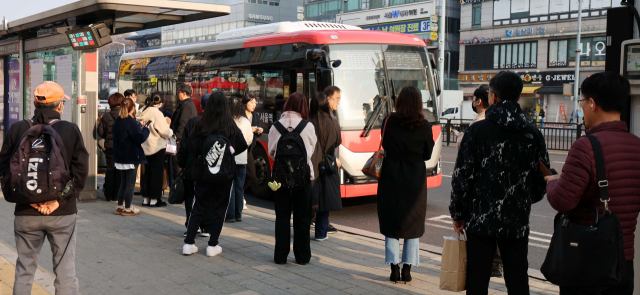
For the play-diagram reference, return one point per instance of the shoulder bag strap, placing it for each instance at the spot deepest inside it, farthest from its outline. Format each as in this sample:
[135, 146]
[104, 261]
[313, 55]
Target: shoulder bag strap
[601, 172]
[384, 128]
[280, 128]
[301, 126]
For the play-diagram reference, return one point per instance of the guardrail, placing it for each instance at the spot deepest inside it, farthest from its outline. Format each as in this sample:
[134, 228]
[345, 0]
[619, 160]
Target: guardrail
[557, 136]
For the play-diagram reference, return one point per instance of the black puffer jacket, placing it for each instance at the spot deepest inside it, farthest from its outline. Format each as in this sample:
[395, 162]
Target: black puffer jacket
[496, 176]
[106, 124]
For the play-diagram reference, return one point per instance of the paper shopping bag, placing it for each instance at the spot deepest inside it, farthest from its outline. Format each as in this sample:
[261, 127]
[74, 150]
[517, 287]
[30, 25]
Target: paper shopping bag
[453, 267]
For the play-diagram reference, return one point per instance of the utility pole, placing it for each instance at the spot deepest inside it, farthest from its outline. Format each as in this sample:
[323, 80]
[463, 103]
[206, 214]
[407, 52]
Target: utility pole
[576, 81]
[441, 43]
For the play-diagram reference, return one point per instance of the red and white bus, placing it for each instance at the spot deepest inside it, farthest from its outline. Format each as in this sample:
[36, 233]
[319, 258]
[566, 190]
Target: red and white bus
[274, 60]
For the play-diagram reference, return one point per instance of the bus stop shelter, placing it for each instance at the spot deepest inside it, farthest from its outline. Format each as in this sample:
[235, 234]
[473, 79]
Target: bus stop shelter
[35, 49]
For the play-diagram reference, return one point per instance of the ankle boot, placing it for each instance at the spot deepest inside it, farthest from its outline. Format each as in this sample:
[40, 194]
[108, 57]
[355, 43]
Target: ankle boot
[395, 273]
[406, 273]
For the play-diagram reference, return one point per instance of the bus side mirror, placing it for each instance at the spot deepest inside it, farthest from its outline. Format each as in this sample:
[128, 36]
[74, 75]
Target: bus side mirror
[324, 78]
[436, 79]
[318, 55]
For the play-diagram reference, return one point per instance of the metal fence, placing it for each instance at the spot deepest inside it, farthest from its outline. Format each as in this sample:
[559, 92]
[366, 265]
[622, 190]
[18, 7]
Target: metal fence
[558, 136]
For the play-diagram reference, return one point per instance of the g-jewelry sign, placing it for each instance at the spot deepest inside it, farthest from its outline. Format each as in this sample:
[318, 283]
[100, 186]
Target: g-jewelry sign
[260, 17]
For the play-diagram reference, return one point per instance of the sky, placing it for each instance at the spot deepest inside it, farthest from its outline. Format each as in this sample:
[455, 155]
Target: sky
[17, 9]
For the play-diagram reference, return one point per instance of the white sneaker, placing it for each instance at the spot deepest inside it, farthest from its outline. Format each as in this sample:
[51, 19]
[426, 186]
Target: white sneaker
[205, 234]
[213, 251]
[244, 205]
[322, 239]
[189, 249]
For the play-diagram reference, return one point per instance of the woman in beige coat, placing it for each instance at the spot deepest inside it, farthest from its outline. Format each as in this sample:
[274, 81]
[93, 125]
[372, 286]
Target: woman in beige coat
[154, 149]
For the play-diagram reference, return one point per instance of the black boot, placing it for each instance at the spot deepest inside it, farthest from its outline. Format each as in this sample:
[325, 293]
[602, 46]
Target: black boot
[406, 273]
[395, 273]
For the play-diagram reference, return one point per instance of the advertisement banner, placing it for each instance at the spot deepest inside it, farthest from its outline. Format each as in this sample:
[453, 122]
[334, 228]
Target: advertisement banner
[14, 92]
[410, 27]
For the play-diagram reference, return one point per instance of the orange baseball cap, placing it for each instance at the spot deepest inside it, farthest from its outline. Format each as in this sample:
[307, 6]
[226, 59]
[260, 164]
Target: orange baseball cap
[49, 92]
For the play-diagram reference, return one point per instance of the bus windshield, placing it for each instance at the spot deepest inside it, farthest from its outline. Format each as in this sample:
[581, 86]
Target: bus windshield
[361, 76]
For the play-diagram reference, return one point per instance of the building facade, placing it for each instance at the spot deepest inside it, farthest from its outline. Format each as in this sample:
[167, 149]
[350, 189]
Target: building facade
[537, 40]
[417, 17]
[244, 13]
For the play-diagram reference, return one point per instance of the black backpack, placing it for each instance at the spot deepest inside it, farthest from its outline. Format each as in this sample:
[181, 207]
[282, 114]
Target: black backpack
[291, 168]
[216, 163]
[37, 166]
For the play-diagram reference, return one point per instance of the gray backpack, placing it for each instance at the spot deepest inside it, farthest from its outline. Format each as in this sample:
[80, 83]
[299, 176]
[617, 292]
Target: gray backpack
[38, 170]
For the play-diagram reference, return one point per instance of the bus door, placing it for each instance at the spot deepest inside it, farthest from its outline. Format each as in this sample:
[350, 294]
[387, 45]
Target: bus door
[305, 82]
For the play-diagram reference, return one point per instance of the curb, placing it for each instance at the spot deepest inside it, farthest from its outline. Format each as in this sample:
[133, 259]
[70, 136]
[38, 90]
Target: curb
[534, 273]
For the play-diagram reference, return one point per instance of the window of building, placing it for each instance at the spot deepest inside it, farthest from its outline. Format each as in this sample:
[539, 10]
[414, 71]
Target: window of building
[205, 31]
[453, 25]
[352, 5]
[562, 52]
[476, 15]
[199, 32]
[324, 8]
[476, 57]
[373, 4]
[365, 4]
[225, 27]
[232, 25]
[515, 55]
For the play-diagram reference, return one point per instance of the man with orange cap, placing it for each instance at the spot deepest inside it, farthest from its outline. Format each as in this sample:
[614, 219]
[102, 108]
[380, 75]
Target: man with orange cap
[56, 219]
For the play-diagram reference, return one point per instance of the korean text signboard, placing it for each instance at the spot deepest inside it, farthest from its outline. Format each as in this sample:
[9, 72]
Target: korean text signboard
[410, 27]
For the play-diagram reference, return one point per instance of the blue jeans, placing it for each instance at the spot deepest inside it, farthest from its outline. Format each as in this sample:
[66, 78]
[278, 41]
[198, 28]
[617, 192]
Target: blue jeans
[322, 223]
[410, 252]
[237, 194]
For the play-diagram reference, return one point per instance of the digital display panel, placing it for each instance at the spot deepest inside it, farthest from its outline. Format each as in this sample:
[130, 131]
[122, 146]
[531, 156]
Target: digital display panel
[82, 40]
[93, 36]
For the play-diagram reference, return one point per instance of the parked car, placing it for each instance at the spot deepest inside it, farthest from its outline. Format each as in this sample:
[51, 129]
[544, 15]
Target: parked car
[103, 107]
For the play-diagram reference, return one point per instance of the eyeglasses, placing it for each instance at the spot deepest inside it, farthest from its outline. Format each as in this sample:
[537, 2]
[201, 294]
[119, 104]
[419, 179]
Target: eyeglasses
[581, 102]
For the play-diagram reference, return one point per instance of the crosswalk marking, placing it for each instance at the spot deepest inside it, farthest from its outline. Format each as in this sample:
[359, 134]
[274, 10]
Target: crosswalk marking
[447, 219]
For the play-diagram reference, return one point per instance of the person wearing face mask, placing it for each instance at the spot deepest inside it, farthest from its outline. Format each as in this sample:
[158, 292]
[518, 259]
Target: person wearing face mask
[479, 105]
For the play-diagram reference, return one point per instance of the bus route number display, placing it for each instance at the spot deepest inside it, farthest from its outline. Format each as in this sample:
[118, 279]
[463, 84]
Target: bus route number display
[93, 36]
[82, 40]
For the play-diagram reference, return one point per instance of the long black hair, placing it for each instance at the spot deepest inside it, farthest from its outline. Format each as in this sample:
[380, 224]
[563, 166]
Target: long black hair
[320, 104]
[155, 98]
[409, 107]
[216, 117]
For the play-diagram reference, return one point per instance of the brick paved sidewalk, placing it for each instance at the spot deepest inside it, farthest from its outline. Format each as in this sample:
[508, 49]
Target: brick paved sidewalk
[142, 255]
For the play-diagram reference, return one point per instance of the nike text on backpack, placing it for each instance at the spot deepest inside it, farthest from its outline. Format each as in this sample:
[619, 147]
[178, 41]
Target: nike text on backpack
[290, 166]
[39, 172]
[216, 163]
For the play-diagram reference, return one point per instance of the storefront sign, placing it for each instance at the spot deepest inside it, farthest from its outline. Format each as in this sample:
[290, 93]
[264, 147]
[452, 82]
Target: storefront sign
[401, 13]
[470, 1]
[9, 49]
[434, 36]
[562, 114]
[371, 17]
[260, 17]
[477, 40]
[525, 32]
[411, 27]
[544, 78]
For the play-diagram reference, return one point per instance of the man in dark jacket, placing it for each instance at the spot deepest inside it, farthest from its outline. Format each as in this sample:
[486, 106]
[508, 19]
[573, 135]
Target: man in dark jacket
[185, 160]
[185, 111]
[55, 219]
[604, 96]
[495, 181]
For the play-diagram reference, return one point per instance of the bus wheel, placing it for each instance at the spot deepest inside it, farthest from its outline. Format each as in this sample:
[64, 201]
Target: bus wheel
[260, 187]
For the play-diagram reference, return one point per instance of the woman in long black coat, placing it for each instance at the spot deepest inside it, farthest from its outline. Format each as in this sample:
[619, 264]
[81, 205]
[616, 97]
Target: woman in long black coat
[112, 177]
[325, 193]
[402, 188]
